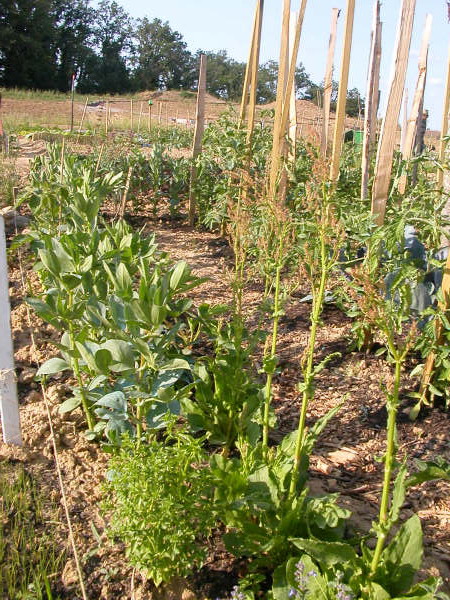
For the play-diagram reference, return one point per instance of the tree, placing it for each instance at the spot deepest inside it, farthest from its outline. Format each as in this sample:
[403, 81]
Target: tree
[162, 60]
[27, 57]
[73, 22]
[107, 69]
[224, 75]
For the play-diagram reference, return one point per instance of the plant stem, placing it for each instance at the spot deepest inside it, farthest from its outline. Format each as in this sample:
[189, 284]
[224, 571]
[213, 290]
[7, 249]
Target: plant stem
[308, 393]
[388, 465]
[273, 350]
[77, 373]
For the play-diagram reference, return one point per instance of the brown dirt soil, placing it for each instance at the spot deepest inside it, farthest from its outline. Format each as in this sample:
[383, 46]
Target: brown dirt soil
[343, 461]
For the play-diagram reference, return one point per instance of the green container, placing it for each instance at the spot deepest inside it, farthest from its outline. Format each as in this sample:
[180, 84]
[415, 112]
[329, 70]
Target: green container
[358, 136]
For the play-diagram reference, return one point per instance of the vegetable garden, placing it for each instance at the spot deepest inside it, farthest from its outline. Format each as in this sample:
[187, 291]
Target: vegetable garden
[219, 413]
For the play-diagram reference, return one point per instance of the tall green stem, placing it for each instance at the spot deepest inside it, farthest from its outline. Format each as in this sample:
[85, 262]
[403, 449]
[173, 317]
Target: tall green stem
[308, 392]
[388, 465]
[273, 351]
[77, 373]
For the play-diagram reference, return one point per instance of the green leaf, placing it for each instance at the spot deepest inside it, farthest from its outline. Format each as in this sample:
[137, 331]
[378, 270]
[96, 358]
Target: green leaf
[327, 553]
[122, 354]
[114, 400]
[69, 405]
[177, 274]
[398, 495]
[103, 359]
[403, 557]
[428, 471]
[52, 366]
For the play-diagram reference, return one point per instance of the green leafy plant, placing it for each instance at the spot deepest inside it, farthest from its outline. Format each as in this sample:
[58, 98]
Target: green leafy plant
[160, 504]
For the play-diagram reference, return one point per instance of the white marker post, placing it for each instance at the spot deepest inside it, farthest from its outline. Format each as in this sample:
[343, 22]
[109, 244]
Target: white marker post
[8, 391]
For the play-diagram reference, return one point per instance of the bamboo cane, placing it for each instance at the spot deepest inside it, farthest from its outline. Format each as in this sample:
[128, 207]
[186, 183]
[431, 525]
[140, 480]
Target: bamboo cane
[198, 135]
[383, 167]
[328, 82]
[140, 117]
[372, 88]
[342, 94]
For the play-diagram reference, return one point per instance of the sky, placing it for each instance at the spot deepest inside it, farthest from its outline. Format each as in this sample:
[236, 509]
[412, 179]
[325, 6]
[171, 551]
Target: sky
[226, 25]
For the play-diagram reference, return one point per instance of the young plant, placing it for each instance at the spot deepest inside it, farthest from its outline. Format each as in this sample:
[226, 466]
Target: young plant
[160, 504]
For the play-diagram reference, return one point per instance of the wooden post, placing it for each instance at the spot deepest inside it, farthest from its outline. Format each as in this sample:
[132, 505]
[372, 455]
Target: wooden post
[167, 113]
[417, 107]
[292, 130]
[107, 118]
[254, 67]
[444, 126]
[160, 112]
[141, 110]
[198, 135]
[372, 88]
[83, 115]
[9, 404]
[328, 82]
[249, 87]
[284, 90]
[405, 120]
[342, 94]
[131, 116]
[376, 87]
[72, 101]
[386, 145]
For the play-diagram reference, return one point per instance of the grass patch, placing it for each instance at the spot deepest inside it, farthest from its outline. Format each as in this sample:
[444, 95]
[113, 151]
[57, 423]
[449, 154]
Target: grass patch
[30, 560]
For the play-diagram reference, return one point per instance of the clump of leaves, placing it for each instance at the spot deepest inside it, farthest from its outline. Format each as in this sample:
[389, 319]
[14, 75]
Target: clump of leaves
[160, 504]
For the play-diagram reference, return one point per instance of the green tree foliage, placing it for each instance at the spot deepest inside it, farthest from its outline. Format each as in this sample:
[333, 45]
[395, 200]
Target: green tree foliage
[44, 42]
[73, 23]
[162, 59]
[27, 44]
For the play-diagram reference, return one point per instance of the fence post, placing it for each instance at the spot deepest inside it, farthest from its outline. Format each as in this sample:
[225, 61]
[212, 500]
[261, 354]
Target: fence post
[8, 391]
[444, 126]
[198, 135]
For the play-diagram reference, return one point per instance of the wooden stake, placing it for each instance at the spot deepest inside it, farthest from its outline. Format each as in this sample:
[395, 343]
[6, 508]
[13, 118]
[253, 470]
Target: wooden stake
[376, 87]
[282, 104]
[342, 94]
[140, 117]
[386, 145]
[198, 135]
[417, 106]
[405, 120]
[444, 126]
[251, 71]
[160, 112]
[83, 115]
[292, 130]
[372, 88]
[131, 116]
[9, 404]
[254, 67]
[107, 118]
[167, 113]
[328, 83]
[125, 192]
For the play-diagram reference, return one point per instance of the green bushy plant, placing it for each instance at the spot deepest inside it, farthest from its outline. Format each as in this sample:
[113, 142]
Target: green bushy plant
[160, 504]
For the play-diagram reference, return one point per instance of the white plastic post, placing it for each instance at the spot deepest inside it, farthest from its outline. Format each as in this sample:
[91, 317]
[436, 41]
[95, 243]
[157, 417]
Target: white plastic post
[8, 391]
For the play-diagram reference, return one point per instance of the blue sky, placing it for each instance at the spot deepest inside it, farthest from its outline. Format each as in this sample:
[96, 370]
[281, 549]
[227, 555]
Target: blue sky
[226, 24]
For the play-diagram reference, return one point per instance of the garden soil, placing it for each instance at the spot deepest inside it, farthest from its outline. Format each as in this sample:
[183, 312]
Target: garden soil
[343, 461]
